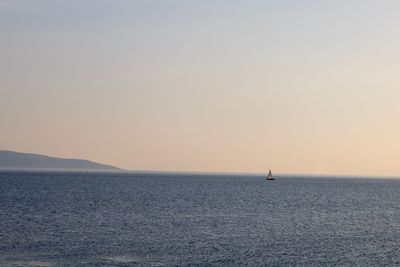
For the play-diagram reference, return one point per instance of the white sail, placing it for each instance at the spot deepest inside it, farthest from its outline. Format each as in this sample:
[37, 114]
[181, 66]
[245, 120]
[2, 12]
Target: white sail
[269, 177]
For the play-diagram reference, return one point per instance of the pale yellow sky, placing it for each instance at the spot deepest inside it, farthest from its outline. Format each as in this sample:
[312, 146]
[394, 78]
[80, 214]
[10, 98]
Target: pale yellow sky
[231, 86]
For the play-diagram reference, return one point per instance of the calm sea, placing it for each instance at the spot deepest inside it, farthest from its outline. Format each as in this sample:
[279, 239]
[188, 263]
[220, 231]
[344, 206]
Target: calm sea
[60, 219]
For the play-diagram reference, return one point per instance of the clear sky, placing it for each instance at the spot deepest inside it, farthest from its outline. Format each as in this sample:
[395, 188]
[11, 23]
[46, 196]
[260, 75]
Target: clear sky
[222, 85]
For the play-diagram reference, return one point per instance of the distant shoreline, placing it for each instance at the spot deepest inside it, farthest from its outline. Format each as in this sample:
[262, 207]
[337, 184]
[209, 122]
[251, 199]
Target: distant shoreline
[12, 160]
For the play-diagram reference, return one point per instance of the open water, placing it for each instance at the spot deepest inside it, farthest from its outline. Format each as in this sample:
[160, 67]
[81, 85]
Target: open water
[61, 219]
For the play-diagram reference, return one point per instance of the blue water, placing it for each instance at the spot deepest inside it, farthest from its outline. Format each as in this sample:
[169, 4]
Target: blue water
[60, 219]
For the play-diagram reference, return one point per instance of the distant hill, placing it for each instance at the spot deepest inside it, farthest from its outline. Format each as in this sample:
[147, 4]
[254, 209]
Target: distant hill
[16, 160]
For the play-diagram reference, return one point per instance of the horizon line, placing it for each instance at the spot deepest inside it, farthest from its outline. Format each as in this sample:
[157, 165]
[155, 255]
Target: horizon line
[223, 173]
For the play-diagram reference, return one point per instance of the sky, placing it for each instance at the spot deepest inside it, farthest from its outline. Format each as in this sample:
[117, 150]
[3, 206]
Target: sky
[294, 86]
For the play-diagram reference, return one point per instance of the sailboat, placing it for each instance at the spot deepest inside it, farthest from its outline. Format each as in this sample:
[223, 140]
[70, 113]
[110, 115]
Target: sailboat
[269, 177]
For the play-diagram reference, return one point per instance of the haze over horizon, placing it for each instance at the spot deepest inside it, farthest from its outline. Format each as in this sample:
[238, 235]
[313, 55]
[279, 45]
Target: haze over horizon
[225, 86]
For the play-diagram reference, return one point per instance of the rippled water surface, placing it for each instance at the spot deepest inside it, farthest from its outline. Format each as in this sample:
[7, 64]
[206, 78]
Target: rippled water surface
[59, 219]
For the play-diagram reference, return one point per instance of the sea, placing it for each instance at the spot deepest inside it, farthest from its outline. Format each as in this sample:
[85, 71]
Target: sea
[164, 219]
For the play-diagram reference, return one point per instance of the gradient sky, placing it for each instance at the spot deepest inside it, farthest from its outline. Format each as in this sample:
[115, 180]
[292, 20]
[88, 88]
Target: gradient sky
[223, 85]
